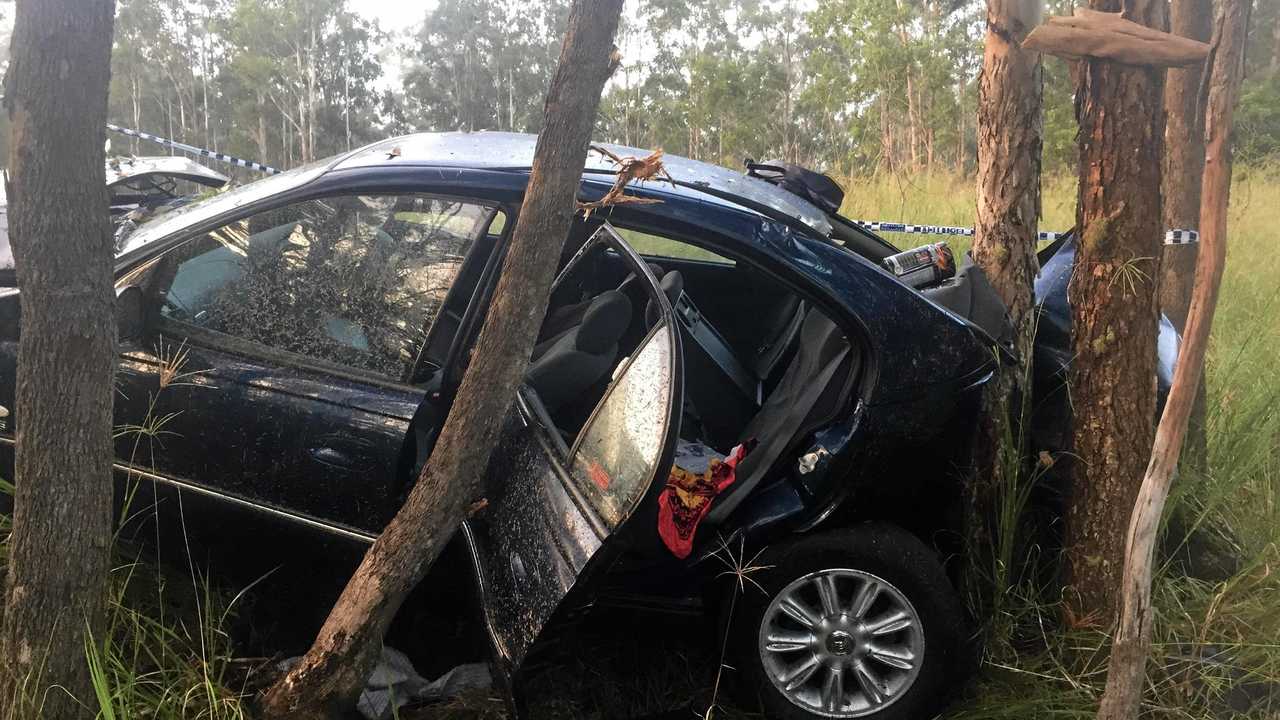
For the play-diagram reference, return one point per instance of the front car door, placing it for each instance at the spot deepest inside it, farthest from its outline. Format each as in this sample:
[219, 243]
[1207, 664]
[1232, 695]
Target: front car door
[289, 351]
[558, 492]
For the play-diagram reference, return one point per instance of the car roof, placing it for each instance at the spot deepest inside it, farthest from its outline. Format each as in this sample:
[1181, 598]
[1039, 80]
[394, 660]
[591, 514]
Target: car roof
[514, 152]
[500, 151]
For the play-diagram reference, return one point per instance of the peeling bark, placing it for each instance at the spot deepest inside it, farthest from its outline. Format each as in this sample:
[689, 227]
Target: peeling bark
[1010, 136]
[1114, 313]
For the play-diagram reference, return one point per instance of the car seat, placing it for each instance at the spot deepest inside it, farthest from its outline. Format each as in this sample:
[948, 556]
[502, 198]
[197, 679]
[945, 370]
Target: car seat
[565, 365]
[809, 395]
[720, 392]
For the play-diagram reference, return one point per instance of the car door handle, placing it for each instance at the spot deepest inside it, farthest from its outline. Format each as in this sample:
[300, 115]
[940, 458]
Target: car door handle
[333, 457]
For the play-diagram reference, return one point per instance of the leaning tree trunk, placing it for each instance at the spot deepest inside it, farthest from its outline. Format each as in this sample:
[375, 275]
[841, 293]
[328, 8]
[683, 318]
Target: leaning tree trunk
[1114, 311]
[1127, 672]
[1183, 167]
[1010, 136]
[331, 674]
[56, 96]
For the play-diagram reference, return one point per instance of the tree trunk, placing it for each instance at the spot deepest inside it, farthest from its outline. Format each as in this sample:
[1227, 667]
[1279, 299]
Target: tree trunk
[333, 671]
[56, 96]
[1275, 46]
[1114, 312]
[261, 136]
[1183, 167]
[1010, 136]
[1127, 672]
[913, 123]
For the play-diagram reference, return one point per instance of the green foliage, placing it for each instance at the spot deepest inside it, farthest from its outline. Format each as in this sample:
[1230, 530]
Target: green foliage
[482, 65]
[283, 81]
[850, 87]
[1257, 131]
[167, 653]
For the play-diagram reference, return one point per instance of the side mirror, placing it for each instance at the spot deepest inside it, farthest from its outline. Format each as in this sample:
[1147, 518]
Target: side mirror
[130, 312]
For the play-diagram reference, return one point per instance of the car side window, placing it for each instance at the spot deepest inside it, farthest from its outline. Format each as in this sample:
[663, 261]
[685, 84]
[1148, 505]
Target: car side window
[656, 246]
[355, 281]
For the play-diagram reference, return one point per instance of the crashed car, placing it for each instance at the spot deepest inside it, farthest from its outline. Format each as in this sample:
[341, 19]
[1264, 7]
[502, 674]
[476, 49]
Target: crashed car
[149, 182]
[139, 189]
[142, 188]
[730, 368]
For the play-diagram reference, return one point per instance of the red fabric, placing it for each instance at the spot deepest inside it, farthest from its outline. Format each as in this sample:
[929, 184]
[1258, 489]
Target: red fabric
[687, 498]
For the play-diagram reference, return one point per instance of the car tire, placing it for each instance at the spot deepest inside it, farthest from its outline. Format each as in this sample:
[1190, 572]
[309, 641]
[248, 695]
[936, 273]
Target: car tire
[894, 658]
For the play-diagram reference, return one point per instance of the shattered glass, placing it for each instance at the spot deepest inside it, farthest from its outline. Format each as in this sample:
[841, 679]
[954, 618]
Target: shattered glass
[355, 281]
[196, 213]
[616, 456]
[545, 521]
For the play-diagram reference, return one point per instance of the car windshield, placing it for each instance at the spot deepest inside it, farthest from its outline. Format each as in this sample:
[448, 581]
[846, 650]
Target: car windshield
[196, 213]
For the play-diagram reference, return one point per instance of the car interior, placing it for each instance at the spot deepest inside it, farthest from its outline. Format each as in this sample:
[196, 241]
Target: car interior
[760, 362]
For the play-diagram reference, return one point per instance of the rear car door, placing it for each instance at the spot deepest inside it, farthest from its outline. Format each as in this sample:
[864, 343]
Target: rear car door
[288, 352]
[562, 490]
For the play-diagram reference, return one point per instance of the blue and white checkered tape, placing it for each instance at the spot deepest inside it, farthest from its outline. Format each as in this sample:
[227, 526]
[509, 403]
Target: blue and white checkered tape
[1172, 237]
[202, 152]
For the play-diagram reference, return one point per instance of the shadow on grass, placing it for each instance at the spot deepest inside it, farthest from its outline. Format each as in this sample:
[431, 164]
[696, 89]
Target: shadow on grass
[617, 664]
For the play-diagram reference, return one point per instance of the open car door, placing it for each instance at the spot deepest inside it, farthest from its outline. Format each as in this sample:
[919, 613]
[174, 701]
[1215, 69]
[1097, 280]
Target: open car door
[558, 491]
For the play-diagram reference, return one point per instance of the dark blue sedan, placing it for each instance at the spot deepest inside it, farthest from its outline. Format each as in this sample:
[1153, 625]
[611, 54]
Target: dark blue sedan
[728, 368]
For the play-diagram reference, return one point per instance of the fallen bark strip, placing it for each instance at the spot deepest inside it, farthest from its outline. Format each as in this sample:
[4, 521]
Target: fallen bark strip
[1109, 36]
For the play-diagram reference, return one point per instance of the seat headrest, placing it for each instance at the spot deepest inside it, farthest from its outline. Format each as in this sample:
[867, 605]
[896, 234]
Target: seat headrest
[672, 285]
[604, 322]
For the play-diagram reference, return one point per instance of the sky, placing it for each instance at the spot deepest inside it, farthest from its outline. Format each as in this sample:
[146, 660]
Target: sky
[393, 15]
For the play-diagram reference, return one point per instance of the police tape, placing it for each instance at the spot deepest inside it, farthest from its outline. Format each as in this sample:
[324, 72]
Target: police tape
[203, 152]
[1171, 237]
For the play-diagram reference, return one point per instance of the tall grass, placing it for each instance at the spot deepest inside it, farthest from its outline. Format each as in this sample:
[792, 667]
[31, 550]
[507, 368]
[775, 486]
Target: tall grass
[166, 653]
[1217, 642]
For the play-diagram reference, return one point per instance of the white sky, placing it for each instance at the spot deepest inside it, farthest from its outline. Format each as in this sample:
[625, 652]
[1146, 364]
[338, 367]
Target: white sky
[393, 15]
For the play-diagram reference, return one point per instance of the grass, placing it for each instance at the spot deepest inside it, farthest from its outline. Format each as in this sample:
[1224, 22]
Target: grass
[168, 652]
[1217, 643]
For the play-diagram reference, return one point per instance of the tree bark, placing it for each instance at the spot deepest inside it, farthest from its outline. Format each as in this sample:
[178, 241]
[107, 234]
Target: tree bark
[1127, 672]
[1010, 134]
[56, 97]
[328, 679]
[1114, 312]
[1183, 167]
[1275, 46]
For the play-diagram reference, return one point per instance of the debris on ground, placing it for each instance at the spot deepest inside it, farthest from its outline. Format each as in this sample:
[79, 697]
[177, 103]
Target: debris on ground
[394, 683]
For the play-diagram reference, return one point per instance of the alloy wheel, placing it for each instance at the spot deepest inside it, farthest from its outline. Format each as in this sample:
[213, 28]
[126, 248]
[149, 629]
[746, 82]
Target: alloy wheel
[841, 643]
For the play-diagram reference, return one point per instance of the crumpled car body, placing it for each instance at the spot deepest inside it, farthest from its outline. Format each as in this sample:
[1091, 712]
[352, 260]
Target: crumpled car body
[303, 337]
[139, 189]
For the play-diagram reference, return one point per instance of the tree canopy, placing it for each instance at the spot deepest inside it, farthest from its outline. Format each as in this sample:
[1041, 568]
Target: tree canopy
[847, 86]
